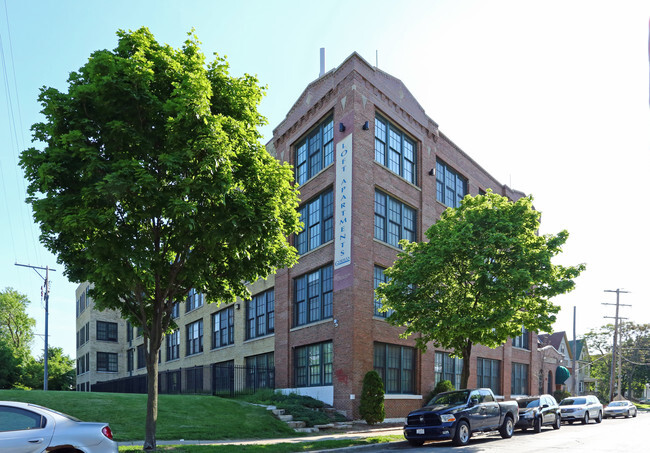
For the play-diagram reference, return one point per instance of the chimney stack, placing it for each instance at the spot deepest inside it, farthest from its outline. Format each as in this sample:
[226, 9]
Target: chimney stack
[322, 62]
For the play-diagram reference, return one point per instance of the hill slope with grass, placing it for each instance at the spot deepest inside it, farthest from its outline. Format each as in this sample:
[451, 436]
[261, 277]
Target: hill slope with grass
[195, 417]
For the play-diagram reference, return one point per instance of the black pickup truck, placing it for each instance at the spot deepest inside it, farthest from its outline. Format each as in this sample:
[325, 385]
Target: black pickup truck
[456, 415]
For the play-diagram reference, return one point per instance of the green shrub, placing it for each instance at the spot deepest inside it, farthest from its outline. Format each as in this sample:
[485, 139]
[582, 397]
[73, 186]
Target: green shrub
[371, 408]
[442, 386]
[559, 395]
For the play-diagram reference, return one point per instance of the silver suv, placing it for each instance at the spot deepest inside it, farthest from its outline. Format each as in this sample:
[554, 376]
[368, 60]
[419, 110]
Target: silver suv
[581, 408]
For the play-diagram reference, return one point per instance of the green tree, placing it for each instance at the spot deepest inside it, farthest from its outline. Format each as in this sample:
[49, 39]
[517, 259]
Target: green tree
[16, 326]
[484, 274]
[60, 371]
[153, 181]
[371, 406]
[10, 366]
[634, 342]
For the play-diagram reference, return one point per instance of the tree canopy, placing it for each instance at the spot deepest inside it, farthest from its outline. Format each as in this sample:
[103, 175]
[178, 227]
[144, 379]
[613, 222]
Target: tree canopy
[16, 326]
[484, 273]
[153, 181]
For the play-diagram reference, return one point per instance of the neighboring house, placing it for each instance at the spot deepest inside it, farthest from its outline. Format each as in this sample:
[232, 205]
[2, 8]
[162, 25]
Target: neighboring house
[373, 168]
[584, 382]
[564, 368]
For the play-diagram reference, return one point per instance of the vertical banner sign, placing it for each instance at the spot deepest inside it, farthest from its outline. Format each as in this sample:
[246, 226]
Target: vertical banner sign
[343, 203]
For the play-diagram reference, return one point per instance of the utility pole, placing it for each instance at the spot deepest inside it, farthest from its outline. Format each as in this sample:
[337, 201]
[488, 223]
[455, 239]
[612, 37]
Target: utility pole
[47, 300]
[618, 292]
[575, 347]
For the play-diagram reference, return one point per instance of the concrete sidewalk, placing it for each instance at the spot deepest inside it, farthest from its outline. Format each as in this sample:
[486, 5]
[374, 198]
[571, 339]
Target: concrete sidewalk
[360, 434]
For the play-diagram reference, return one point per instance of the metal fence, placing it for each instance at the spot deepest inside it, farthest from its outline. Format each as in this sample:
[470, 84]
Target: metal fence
[216, 379]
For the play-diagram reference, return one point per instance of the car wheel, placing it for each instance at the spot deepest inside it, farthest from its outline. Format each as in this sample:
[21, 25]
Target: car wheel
[627, 415]
[585, 420]
[507, 428]
[635, 411]
[461, 436]
[415, 442]
[558, 422]
[537, 425]
[600, 417]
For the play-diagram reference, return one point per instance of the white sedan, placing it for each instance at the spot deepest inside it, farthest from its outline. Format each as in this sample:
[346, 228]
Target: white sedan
[621, 408]
[28, 428]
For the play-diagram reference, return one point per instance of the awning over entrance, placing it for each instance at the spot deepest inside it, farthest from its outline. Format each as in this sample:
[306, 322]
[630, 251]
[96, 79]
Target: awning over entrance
[561, 375]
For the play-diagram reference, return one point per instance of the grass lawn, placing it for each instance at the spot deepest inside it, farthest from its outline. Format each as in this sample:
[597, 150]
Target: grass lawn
[276, 448]
[189, 417]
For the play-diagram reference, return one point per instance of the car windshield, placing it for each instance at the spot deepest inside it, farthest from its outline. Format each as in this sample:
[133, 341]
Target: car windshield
[618, 403]
[573, 401]
[528, 403]
[450, 398]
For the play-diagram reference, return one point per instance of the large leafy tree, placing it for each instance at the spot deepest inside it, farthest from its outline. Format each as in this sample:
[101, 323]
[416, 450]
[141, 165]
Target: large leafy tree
[484, 273]
[60, 371]
[634, 347]
[16, 326]
[153, 181]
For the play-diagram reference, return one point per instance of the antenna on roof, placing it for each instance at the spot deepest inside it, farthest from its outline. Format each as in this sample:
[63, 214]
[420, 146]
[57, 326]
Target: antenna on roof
[322, 62]
[377, 59]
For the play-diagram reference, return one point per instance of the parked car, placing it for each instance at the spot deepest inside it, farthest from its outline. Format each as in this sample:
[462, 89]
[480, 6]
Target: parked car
[581, 408]
[456, 415]
[538, 411]
[28, 428]
[621, 408]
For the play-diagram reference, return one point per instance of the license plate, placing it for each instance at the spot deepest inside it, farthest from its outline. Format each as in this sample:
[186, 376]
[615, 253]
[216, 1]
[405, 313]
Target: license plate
[419, 431]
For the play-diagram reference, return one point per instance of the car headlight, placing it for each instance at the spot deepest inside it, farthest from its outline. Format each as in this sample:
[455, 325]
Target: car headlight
[446, 418]
[528, 414]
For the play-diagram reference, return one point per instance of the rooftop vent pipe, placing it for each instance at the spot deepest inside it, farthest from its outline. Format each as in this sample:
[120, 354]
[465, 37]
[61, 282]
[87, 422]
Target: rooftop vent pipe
[322, 62]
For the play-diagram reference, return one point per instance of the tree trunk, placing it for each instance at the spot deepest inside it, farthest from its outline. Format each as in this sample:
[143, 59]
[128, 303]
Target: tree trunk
[467, 355]
[152, 394]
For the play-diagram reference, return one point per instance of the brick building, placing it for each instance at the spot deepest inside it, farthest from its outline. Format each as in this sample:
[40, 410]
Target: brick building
[372, 168]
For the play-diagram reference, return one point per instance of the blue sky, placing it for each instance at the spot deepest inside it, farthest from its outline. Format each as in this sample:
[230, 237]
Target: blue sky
[549, 97]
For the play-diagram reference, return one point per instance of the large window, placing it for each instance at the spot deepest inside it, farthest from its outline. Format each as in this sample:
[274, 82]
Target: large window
[450, 186]
[393, 220]
[522, 341]
[448, 368]
[315, 151]
[260, 315]
[318, 217]
[313, 296]
[313, 365]
[488, 374]
[395, 150]
[129, 360]
[223, 328]
[194, 338]
[194, 300]
[106, 331]
[173, 345]
[396, 366]
[142, 359]
[378, 278]
[107, 361]
[519, 379]
[260, 371]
